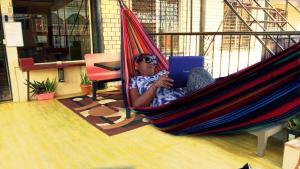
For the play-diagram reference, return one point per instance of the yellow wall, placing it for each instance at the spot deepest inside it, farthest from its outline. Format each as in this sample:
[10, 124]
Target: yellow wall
[293, 16]
[111, 33]
[70, 86]
[71, 76]
[110, 11]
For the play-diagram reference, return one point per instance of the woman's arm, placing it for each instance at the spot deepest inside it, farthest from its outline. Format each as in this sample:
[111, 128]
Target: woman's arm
[145, 99]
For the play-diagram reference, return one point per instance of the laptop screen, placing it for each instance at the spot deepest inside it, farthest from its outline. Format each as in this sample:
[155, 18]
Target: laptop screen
[180, 67]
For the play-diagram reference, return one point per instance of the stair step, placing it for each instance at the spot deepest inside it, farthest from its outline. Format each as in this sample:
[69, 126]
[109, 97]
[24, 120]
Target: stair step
[268, 21]
[255, 7]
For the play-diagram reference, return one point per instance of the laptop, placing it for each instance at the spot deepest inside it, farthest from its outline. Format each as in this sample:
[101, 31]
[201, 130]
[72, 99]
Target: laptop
[180, 68]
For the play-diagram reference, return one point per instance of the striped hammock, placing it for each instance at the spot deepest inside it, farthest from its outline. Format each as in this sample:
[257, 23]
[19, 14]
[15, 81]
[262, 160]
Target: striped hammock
[263, 94]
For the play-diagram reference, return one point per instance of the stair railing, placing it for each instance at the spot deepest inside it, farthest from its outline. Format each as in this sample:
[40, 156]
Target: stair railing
[272, 18]
[249, 13]
[281, 15]
[257, 37]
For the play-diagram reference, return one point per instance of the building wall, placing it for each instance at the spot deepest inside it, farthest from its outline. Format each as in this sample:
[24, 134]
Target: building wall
[293, 17]
[187, 44]
[213, 19]
[110, 11]
[111, 32]
[214, 15]
[185, 16]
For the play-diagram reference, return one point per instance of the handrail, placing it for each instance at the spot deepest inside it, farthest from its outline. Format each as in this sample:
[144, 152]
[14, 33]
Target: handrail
[61, 62]
[272, 18]
[241, 19]
[229, 33]
[249, 13]
[287, 34]
[231, 51]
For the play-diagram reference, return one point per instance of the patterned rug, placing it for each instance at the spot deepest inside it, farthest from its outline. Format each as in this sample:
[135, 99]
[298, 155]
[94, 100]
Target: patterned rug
[108, 113]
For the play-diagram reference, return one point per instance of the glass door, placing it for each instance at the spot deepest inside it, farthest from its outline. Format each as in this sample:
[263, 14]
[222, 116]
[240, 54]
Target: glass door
[53, 30]
[5, 89]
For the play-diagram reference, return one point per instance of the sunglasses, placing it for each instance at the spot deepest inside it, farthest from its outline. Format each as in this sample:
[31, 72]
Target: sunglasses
[149, 60]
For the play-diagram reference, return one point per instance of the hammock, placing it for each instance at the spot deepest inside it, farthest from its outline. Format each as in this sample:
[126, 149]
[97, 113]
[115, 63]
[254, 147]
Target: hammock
[261, 95]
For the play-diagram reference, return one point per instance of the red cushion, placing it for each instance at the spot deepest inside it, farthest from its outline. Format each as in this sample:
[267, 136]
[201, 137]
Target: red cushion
[26, 62]
[96, 73]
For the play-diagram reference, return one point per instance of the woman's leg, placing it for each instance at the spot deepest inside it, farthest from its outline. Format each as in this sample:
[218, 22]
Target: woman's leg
[198, 78]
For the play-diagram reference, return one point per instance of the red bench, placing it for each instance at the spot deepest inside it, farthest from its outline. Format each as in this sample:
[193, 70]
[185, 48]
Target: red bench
[100, 74]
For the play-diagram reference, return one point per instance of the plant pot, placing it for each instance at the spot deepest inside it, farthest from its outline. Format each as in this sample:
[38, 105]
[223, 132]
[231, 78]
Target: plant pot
[293, 132]
[45, 96]
[86, 89]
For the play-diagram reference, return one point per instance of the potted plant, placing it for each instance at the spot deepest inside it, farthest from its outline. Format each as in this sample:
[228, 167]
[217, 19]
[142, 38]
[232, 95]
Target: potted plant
[85, 84]
[43, 90]
[294, 127]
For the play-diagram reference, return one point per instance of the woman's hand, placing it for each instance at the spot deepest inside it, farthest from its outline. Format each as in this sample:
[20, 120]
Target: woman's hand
[163, 81]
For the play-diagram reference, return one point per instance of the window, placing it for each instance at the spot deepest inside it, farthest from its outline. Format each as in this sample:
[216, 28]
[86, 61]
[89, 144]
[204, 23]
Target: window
[145, 10]
[272, 26]
[233, 24]
[168, 16]
[54, 30]
[159, 16]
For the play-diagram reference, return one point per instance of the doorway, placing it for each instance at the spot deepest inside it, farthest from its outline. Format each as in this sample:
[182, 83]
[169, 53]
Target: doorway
[5, 88]
[53, 30]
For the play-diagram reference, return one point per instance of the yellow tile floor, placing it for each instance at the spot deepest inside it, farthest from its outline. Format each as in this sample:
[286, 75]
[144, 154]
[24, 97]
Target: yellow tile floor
[46, 135]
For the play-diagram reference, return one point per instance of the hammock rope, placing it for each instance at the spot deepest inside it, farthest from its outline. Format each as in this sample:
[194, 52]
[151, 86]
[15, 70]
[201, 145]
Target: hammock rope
[260, 95]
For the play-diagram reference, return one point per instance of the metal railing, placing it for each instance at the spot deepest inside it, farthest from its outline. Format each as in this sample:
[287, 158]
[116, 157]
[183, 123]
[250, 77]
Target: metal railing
[242, 49]
[69, 29]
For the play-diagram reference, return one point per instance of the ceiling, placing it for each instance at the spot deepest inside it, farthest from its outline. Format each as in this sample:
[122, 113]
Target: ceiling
[48, 4]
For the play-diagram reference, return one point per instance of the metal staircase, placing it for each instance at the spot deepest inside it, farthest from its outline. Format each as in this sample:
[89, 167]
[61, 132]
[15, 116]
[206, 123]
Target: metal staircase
[264, 18]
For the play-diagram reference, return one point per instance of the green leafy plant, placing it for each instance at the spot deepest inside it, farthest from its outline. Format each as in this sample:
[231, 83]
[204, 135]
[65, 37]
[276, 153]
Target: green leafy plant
[50, 86]
[45, 86]
[294, 124]
[84, 79]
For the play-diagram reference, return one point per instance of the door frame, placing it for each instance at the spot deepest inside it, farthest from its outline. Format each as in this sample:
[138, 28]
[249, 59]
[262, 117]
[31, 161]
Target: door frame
[15, 75]
[5, 60]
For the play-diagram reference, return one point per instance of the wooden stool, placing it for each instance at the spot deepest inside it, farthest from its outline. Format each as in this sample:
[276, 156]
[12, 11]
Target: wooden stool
[263, 135]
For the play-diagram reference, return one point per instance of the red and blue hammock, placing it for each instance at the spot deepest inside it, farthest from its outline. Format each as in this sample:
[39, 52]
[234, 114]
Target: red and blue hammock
[261, 95]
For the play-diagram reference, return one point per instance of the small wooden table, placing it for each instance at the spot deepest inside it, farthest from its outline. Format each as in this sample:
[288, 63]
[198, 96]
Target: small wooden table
[113, 66]
[263, 135]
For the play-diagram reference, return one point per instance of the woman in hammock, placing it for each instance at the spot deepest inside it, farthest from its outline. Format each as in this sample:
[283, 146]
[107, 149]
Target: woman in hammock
[150, 89]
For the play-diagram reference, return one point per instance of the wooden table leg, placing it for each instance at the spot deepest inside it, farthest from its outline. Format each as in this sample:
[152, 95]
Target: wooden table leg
[263, 135]
[127, 113]
[94, 85]
[28, 92]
